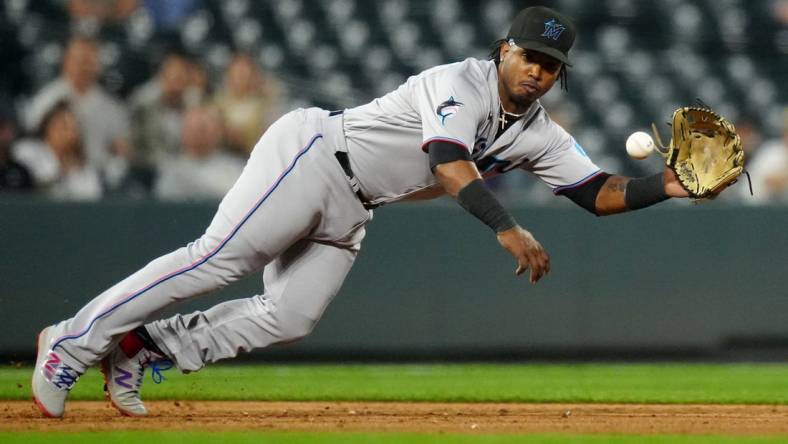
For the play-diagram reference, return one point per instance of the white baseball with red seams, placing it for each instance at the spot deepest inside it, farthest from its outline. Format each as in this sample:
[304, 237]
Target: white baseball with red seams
[640, 145]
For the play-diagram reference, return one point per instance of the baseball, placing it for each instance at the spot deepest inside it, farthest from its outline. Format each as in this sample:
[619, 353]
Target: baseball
[639, 145]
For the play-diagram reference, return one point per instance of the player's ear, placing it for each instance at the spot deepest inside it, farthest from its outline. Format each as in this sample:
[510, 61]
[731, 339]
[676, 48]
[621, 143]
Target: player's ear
[505, 48]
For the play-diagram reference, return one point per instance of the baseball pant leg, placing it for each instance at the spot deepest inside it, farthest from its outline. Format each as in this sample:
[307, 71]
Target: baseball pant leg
[288, 188]
[299, 285]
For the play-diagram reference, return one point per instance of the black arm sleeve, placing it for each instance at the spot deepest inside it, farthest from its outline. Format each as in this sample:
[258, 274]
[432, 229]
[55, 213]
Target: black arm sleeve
[585, 195]
[445, 152]
[478, 200]
[646, 191]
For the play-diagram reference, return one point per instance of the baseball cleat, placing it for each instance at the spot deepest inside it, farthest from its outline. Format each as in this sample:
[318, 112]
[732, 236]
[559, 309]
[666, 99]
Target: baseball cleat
[123, 378]
[52, 378]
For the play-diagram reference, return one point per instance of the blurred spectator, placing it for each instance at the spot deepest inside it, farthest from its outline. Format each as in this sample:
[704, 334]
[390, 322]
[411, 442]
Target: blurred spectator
[56, 159]
[199, 83]
[202, 170]
[13, 175]
[750, 136]
[101, 11]
[157, 110]
[780, 9]
[769, 169]
[103, 120]
[248, 102]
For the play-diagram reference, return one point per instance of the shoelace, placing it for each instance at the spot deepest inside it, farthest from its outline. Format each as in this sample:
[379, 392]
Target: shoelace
[156, 367]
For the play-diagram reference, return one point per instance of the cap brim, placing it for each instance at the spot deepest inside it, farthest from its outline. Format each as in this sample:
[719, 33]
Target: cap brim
[541, 47]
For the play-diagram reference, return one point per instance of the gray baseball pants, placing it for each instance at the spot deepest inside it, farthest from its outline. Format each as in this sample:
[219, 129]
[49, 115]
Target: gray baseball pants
[292, 213]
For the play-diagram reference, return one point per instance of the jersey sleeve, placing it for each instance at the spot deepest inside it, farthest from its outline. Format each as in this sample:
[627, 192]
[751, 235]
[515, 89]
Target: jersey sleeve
[564, 165]
[451, 106]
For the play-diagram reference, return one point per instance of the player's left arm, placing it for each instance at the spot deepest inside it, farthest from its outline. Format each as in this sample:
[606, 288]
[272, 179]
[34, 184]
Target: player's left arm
[459, 176]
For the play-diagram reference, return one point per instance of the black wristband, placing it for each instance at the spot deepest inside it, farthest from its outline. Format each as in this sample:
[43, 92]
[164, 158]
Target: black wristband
[478, 200]
[643, 192]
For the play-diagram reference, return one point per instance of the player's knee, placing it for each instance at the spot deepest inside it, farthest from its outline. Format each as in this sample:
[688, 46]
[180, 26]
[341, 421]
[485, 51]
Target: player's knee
[294, 326]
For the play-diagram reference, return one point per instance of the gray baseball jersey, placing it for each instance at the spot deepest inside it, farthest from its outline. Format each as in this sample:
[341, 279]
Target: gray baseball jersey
[457, 103]
[295, 214]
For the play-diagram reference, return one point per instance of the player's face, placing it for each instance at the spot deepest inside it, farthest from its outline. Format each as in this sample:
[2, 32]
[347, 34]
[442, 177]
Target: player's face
[526, 75]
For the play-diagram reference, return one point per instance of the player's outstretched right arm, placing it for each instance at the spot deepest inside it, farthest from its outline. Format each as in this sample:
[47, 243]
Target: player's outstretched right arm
[460, 178]
[609, 194]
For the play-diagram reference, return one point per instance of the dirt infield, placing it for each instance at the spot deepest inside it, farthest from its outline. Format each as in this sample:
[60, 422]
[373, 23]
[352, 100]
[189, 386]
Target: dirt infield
[410, 417]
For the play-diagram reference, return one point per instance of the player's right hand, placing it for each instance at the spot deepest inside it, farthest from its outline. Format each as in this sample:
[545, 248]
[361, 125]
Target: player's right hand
[527, 251]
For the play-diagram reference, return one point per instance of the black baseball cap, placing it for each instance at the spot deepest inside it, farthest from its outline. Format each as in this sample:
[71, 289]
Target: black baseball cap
[545, 30]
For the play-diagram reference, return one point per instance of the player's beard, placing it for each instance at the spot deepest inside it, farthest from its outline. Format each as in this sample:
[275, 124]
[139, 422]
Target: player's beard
[522, 101]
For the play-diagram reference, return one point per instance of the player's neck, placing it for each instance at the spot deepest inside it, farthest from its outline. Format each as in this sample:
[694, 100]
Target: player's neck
[509, 105]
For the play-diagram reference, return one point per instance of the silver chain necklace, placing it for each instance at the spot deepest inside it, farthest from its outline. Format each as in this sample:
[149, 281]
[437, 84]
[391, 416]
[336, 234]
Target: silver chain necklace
[504, 114]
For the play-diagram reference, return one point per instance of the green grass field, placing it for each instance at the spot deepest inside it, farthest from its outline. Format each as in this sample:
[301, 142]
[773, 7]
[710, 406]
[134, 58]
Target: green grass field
[603, 383]
[629, 383]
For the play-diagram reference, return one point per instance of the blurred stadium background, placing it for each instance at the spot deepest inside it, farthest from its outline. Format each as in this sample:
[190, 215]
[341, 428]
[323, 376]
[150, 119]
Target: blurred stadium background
[633, 64]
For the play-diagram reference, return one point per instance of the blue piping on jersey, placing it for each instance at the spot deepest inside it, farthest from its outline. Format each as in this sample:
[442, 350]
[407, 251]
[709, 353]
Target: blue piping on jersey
[205, 258]
[580, 149]
[578, 183]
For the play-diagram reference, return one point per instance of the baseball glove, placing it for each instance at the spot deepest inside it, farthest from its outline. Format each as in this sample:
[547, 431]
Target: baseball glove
[705, 151]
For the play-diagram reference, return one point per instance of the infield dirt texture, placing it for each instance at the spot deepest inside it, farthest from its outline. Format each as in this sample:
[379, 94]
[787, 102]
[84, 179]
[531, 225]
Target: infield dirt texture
[743, 402]
[475, 418]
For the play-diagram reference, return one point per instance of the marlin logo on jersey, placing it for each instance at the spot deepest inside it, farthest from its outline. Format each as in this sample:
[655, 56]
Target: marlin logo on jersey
[552, 29]
[448, 109]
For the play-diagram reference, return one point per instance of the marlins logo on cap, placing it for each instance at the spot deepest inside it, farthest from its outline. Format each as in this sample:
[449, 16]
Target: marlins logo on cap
[448, 109]
[545, 30]
[552, 29]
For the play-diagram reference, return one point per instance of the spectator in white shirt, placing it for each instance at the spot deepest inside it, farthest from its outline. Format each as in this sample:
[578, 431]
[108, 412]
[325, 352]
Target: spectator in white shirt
[56, 159]
[103, 120]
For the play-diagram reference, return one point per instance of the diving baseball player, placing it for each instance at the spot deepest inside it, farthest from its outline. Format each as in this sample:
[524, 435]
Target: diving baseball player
[298, 212]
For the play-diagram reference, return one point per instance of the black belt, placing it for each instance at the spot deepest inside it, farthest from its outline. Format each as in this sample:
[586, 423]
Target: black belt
[344, 162]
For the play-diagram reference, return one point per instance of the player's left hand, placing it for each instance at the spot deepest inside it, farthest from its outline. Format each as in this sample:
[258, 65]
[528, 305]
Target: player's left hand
[673, 186]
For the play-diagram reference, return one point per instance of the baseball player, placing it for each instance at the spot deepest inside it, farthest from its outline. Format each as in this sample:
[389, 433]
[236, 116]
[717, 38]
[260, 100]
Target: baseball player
[298, 212]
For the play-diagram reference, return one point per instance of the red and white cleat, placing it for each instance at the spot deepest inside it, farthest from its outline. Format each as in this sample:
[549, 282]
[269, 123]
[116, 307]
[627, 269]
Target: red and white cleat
[123, 377]
[52, 378]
